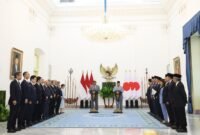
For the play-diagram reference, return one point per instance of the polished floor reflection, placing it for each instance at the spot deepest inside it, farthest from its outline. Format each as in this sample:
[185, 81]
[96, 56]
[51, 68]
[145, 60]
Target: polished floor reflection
[193, 129]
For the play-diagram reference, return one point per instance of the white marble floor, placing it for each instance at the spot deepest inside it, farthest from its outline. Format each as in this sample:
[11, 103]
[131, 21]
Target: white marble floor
[193, 129]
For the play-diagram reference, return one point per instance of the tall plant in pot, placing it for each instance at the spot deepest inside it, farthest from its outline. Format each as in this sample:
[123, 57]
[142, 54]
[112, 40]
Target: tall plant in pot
[107, 94]
[4, 112]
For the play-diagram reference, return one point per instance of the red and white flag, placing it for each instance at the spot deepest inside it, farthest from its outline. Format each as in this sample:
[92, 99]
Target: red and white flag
[83, 82]
[86, 82]
[91, 78]
[131, 85]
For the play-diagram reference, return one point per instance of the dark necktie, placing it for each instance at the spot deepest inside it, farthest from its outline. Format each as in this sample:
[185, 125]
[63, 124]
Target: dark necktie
[19, 84]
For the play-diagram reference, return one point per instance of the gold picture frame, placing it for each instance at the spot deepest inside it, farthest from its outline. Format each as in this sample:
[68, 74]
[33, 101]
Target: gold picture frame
[177, 65]
[16, 62]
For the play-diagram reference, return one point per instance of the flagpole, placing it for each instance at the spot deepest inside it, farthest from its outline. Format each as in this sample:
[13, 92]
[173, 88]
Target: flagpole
[73, 89]
[146, 81]
[67, 89]
[75, 94]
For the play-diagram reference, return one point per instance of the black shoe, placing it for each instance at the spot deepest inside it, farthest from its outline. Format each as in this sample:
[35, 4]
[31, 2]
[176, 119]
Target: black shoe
[22, 127]
[11, 131]
[18, 129]
[167, 124]
[173, 127]
[182, 130]
[29, 124]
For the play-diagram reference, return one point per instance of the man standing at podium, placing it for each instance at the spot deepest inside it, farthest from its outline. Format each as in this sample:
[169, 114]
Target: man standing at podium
[118, 91]
[94, 89]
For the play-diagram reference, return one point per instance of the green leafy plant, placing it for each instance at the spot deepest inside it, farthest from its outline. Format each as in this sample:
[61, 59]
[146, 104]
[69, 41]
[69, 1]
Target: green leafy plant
[107, 94]
[3, 113]
[107, 90]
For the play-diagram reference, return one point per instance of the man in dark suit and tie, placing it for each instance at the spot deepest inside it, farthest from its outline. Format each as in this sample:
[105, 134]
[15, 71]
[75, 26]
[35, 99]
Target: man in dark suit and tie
[14, 102]
[168, 98]
[149, 95]
[32, 99]
[39, 92]
[58, 96]
[94, 90]
[23, 116]
[46, 99]
[180, 99]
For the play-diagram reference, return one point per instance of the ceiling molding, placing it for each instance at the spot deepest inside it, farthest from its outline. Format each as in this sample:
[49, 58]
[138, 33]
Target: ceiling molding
[143, 10]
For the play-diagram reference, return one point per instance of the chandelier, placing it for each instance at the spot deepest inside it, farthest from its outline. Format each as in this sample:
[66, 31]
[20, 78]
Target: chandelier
[105, 31]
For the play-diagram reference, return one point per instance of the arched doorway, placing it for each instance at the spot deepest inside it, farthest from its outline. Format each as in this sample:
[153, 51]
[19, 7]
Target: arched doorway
[38, 61]
[191, 46]
[195, 71]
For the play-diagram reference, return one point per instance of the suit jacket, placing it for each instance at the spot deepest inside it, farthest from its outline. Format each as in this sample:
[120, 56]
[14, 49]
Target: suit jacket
[39, 92]
[25, 90]
[165, 93]
[15, 92]
[180, 98]
[53, 91]
[170, 92]
[58, 92]
[149, 93]
[157, 87]
[94, 88]
[43, 92]
[47, 94]
[33, 95]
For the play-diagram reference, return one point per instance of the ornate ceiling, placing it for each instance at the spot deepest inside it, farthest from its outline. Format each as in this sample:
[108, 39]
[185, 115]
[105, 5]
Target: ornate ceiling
[115, 7]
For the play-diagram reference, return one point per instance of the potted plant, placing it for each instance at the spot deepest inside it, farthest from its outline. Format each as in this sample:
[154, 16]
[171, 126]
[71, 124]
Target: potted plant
[107, 94]
[3, 113]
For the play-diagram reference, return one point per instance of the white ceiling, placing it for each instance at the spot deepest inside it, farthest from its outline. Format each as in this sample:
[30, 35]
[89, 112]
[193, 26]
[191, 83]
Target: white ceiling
[55, 8]
[119, 10]
[101, 2]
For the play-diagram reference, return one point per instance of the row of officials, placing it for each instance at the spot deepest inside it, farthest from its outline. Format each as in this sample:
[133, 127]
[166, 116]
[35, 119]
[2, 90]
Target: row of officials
[32, 100]
[167, 100]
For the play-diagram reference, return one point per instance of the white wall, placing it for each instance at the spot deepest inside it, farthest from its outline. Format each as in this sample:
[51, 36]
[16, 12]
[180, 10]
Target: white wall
[144, 48]
[178, 16]
[22, 29]
[152, 44]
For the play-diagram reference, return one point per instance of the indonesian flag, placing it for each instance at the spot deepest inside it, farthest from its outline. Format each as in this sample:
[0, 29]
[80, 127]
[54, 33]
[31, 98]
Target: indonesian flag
[83, 90]
[91, 79]
[87, 81]
[83, 83]
[89, 84]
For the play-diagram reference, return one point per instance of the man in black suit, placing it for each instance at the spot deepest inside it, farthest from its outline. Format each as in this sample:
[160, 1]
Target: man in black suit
[38, 107]
[53, 92]
[46, 99]
[25, 98]
[168, 98]
[14, 102]
[32, 100]
[156, 105]
[158, 88]
[179, 104]
[52, 98]
[149, 95]
[58, 96]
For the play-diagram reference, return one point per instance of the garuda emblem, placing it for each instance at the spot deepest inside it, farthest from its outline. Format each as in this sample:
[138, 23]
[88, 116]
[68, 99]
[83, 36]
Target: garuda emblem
[108, 73]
